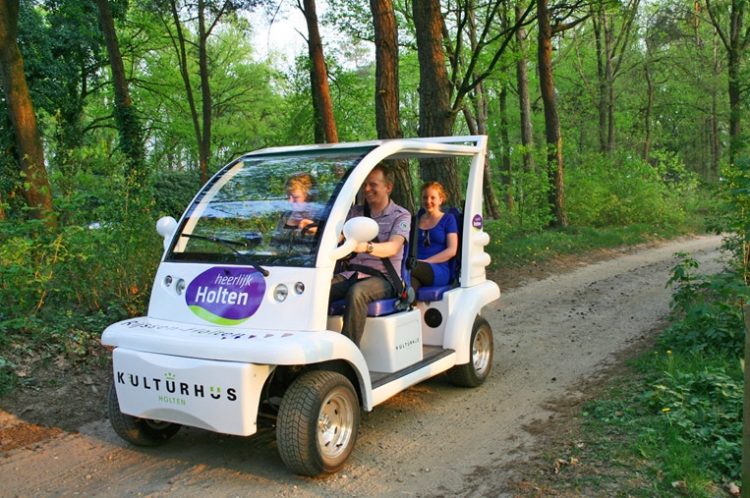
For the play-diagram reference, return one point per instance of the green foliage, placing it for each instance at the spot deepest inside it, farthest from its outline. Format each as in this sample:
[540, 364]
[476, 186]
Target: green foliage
[602, 192]
[530, 212]
[705, 407]
[734, 215]
[511, 248]
[7, 377]
[676, 419]
[173, 190]
[708, 309]
[76, 267]
[99, 260]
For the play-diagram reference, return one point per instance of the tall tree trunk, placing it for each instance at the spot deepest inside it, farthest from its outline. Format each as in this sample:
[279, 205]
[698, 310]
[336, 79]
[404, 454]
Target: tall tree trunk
[735, 44]
[524, 101]
[478, 126]
[599, 21]
[556, 195]
[715, 140]
[203, 122]
[735, 104]
[37, 193]
[505, 141]
[611, 44]
[131, 138]
[482, 110]
[605, 73]
[610, 102]
[435, 115]
[204, 146]
[387, 117]
[648, 110]
[715, 143]
[179, 42]
[325, 124]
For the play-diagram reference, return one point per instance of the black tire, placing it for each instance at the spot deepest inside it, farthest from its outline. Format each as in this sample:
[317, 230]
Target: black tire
[474, 373]
[138, 431]
[317, 423]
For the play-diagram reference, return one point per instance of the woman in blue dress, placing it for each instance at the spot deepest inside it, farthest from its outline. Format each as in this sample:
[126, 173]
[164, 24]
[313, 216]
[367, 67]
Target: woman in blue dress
[437, 240]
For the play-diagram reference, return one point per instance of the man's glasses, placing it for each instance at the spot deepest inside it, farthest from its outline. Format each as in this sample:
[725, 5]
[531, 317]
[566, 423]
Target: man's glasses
[426, 238]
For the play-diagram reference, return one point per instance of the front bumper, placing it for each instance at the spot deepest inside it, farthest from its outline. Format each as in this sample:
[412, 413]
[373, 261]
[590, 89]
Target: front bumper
[220, 396]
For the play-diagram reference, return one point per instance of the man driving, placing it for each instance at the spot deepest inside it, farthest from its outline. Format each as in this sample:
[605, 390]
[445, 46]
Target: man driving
[361, 288]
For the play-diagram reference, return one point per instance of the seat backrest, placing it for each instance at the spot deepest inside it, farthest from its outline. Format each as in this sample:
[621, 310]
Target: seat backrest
[456, 261]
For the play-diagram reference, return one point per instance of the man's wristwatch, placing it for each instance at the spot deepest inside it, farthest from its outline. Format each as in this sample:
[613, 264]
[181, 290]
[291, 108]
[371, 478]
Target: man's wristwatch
[370, 248]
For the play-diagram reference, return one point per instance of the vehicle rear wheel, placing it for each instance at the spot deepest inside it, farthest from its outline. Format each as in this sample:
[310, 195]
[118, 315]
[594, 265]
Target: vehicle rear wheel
[317, 423]
[475, 372]
[138, 431]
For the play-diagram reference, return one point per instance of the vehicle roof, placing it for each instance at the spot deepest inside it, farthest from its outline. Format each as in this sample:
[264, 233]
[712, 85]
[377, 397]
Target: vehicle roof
[407, 147]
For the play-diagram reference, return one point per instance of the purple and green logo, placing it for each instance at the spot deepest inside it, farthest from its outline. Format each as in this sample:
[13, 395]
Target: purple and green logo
[225, 295]
[477, 221]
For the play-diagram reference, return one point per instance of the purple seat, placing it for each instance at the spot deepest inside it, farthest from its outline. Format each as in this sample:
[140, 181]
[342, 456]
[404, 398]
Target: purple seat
[432, 293]
[381, 307]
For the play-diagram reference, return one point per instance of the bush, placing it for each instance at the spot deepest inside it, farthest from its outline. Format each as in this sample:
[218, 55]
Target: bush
[100, 258]
[173, 190]
[706, 408]
[601, 191]
[707, 311]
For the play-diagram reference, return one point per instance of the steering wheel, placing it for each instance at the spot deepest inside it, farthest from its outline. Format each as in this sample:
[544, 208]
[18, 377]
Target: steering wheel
[309, 229]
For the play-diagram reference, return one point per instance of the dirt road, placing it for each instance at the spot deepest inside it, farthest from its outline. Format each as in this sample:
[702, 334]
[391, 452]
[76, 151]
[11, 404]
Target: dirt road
[432, 440]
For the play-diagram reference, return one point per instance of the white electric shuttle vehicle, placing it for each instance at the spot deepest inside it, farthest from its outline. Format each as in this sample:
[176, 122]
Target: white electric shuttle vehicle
[240, 334]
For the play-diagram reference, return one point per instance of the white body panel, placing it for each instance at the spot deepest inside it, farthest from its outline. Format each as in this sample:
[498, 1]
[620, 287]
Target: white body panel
[261, 347]
[387, 391]
[393, 342]
[218, 396]
[468, 305]
[167, 304]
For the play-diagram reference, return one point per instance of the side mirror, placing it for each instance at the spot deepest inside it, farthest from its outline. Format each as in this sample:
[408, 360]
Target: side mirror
[356, 230]
[361, 229]
[166, 227]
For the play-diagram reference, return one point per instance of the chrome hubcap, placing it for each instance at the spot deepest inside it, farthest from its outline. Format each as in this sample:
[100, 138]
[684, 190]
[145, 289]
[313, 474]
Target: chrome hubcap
[481, 351]
[335, 424]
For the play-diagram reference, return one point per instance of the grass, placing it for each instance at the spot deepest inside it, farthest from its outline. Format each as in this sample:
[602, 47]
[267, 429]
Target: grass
[513, 250]
[631, 442]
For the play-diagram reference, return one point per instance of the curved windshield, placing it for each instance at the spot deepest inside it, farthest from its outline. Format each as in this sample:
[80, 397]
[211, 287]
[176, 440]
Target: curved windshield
[265, 210]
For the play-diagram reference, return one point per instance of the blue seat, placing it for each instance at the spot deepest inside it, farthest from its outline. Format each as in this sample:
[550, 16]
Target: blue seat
[434, 293]
[381, 307]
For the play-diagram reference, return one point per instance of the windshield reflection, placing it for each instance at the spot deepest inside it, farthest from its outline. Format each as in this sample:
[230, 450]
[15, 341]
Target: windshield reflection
[264, 210]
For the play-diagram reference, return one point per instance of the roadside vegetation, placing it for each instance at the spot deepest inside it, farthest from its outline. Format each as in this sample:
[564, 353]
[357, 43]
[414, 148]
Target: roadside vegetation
[672, 424]
[62, 287]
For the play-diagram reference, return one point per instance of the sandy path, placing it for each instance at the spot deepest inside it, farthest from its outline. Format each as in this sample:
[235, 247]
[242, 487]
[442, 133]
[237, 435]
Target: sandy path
[433, 439]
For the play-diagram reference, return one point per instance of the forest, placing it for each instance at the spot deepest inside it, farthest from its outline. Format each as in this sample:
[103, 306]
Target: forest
[602, 115]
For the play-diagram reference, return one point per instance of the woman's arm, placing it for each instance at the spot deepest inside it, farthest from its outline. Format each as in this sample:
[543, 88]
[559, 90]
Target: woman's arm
[451, 247]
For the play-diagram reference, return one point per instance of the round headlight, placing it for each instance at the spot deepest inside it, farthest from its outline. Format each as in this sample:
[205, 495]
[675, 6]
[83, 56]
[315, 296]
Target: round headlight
[299, 287]
[179, 286]
[168, 280]
[280, 292]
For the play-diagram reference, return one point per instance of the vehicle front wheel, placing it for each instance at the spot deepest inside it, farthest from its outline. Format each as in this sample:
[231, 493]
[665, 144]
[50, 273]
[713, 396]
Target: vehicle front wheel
[317, 423]
[138, 431]
[475, 372]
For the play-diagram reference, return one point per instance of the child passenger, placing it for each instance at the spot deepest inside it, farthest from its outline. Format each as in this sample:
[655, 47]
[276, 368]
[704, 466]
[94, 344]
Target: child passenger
[299, 190]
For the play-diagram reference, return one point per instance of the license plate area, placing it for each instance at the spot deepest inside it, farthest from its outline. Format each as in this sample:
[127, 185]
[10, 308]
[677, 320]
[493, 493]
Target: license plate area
[220, 396]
